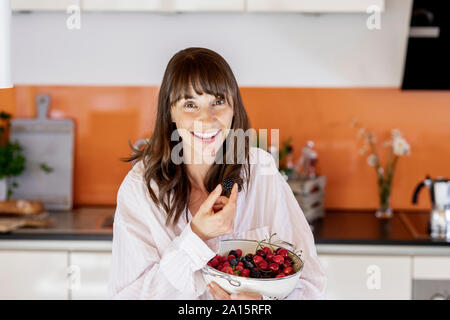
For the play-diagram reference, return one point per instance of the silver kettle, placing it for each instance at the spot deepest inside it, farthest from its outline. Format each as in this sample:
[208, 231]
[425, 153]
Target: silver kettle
[440, 200]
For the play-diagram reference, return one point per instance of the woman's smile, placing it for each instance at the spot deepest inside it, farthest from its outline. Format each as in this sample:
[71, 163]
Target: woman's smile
[207, 136]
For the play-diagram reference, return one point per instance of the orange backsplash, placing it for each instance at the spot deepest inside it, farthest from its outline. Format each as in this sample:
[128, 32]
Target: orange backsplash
[108, 117]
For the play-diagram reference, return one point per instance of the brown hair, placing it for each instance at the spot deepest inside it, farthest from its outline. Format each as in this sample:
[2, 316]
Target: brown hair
[205, 71]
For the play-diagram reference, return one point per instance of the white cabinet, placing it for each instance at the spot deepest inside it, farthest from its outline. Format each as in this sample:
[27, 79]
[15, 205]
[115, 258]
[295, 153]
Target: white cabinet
[431, 268]
[44, 5]
[126, 5]
[33, 274]
[89, 275]
[202, 5]
[367, 277]
[313, 5]
[208, 5]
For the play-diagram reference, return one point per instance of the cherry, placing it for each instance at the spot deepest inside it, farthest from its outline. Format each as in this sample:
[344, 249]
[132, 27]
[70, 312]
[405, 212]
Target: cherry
[280, 275]
[283, 252]
[261, 253]
[239, 252]
[267, 250]
[278, 259]
[288, 270]
[257, 259]
[269, 257]
[274, 267]
[263, 265]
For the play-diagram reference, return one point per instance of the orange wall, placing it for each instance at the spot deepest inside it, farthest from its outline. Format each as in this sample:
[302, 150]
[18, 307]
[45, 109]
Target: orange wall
[107, 117]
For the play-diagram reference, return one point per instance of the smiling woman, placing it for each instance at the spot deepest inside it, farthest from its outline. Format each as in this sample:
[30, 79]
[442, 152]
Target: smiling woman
[158, 255]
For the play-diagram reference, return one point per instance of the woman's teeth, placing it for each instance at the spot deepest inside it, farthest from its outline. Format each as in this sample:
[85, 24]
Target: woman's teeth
[206, 135]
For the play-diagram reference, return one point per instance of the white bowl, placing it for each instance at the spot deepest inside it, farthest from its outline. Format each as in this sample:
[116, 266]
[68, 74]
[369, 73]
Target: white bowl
[276, 288]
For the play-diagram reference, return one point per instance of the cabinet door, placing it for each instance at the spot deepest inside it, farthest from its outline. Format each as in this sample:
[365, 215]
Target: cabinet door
[33, 275]
[313, 5]
[367, 277]
[208, 5]
[89, 275]
[45, 5]
[126, 5]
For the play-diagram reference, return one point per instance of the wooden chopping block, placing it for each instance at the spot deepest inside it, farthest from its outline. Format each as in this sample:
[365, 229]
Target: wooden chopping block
[36, 221]
[21, 207]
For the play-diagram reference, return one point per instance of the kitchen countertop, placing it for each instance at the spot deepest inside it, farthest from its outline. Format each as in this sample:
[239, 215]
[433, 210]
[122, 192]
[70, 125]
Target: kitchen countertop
[339, 227]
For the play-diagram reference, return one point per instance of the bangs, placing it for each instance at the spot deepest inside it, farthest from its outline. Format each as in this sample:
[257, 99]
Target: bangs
[202, 76]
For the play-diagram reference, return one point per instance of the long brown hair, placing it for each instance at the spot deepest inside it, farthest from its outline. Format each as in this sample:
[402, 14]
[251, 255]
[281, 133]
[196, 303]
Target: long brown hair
[205, 71]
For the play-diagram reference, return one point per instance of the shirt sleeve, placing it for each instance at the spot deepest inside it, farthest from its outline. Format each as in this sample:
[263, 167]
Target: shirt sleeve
[138, 269]
[289, 223]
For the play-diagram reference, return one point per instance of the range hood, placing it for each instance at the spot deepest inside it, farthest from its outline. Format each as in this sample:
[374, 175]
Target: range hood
[427, 65]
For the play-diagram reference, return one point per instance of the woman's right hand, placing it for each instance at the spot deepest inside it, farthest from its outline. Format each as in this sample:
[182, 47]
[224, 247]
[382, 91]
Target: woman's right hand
[207, 224]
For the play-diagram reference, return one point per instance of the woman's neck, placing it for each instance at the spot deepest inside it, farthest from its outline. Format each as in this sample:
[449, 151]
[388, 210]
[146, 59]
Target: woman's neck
[197, 174]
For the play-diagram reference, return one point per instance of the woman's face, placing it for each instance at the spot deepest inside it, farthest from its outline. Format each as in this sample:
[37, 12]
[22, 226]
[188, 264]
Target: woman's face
[203, 122]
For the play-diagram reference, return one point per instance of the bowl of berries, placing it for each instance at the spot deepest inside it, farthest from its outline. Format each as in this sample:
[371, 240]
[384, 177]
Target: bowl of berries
[255, 266]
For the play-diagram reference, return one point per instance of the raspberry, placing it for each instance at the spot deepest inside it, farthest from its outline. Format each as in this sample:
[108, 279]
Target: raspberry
[245, 272]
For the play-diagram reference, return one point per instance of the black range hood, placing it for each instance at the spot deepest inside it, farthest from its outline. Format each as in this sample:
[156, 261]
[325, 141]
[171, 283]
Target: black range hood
[427, 65]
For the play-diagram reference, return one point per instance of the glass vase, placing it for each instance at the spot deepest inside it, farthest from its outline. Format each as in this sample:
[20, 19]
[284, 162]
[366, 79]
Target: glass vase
[384, 211]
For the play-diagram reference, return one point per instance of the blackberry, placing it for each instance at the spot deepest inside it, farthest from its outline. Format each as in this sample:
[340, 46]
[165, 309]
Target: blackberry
[249, 257]
[255, 273]
[233, 262]
[248, 264]
[227, 184]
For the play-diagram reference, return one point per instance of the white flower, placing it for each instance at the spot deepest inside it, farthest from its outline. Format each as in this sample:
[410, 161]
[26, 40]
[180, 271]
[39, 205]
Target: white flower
[361, 132]
[372, 160]
[396, 133]
[400, 146]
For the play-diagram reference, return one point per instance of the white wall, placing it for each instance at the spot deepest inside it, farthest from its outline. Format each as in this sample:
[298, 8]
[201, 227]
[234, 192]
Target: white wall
[279, 49]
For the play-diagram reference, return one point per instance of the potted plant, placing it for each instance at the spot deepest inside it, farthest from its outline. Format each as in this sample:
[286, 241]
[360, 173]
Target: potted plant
[12, 160]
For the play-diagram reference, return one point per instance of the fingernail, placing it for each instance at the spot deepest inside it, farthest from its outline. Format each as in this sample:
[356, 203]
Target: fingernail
[212, 285]
[218, 188]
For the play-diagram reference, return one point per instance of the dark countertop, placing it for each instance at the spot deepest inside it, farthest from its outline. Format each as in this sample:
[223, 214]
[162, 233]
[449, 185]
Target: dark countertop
[338, 227]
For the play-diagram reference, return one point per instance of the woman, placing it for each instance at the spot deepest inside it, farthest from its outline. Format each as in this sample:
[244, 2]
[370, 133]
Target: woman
[172, 211]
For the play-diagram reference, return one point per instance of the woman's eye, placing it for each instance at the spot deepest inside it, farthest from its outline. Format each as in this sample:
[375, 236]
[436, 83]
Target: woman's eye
[219, 102]
[189, 105]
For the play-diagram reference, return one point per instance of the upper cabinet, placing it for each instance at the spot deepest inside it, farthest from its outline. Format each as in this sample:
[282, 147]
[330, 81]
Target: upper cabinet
[42, 5]
[202, 5]
[313, 5]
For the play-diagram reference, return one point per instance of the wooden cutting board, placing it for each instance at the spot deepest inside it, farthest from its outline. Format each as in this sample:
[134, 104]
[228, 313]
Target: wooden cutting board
[12, 223]
[47, 143]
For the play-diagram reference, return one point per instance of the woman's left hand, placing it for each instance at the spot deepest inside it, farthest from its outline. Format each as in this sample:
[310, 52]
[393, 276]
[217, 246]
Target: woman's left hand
[219, 294]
